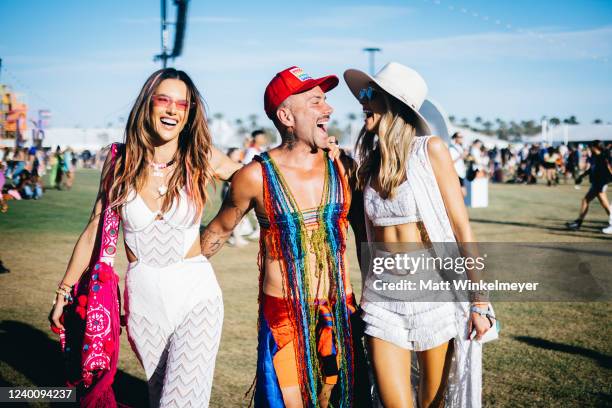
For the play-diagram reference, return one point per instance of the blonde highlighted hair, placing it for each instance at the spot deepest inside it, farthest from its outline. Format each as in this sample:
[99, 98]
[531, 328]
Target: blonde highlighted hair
[192, 158]
[386, 157]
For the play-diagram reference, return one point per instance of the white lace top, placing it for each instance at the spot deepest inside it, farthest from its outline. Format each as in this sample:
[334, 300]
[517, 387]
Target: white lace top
[401, 209]
[159, 241]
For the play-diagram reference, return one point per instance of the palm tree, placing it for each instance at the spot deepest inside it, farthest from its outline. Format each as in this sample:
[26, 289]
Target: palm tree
[571, 120]
[597, 122]
[252, 120]
[487, 127]
[452, 119]
[554, 121]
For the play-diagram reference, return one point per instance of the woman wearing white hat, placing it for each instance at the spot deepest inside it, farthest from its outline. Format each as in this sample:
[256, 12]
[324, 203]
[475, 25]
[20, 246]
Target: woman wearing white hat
[412, 196]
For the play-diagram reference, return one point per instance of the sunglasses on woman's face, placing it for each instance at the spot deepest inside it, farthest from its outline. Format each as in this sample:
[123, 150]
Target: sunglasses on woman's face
[369, 93]
[165, 101]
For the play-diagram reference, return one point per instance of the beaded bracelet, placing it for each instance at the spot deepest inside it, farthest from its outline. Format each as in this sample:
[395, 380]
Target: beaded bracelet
[65, 293]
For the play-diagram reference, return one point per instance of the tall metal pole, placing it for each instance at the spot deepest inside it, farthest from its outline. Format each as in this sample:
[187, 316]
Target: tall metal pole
[371, 53]
[164, 34]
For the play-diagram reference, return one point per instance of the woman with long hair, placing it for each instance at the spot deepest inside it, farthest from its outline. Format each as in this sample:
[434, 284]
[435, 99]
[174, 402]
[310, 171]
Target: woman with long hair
[158, 186]
[413, 199]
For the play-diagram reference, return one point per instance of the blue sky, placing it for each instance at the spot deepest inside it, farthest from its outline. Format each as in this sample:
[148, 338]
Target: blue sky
[86, 60]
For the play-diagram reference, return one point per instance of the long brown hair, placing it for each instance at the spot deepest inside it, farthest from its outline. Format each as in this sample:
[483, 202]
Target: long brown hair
[387, 157]
[192, 158]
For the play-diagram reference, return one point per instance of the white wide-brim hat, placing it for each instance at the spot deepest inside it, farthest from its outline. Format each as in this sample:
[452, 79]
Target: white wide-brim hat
[399, 81]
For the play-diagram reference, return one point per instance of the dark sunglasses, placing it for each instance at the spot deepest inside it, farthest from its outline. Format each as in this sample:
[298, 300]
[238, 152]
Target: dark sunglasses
[369, 93]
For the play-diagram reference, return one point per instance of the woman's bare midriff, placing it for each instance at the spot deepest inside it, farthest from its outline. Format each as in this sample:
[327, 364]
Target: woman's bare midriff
[409, 233]
[194, 251]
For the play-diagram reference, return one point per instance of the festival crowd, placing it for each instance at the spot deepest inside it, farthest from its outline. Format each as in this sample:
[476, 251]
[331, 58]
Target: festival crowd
[27, 172]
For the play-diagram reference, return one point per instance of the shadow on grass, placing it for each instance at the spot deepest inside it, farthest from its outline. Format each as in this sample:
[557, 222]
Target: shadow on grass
[604, 360]
[34, 355]
[3, 269]
[587, 232]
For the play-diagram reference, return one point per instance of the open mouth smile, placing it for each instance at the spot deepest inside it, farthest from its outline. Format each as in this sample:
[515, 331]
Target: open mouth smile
[168, 123]
[322, 124]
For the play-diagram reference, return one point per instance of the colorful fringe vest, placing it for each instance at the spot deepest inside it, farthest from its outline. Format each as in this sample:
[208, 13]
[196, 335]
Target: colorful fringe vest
[288, 241]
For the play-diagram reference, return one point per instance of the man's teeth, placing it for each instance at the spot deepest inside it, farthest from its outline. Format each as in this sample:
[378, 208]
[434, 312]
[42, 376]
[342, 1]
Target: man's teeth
[322, 125]
[168, 121]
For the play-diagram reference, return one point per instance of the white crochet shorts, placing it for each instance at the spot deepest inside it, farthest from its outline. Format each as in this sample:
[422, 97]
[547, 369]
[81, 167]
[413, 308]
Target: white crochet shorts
[413, 321]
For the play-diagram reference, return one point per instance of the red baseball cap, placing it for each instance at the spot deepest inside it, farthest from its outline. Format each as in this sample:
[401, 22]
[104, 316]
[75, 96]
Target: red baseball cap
[293, 81]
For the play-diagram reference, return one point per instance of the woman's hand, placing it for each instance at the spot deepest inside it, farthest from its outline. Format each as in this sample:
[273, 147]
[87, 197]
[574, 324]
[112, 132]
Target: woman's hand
[479, 323]
[57, 310]
[333, 148]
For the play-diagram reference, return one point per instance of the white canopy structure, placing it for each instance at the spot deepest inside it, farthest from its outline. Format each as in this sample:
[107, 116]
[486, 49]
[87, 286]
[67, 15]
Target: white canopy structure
[571, 134]
[82, 138]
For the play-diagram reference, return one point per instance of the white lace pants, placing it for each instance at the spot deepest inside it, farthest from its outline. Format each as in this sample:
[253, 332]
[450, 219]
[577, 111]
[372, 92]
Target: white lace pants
[174, 319]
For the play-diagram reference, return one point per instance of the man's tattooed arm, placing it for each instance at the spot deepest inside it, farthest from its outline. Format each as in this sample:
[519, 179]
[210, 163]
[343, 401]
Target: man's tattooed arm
[220, 229]
[236, 204]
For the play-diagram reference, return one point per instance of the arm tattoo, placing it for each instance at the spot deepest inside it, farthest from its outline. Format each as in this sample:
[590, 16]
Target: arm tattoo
[211, 240]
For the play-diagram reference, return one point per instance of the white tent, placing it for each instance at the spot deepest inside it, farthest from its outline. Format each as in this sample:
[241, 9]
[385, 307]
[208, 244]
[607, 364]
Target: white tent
[571, 133]
[224, 135]
[82, 138]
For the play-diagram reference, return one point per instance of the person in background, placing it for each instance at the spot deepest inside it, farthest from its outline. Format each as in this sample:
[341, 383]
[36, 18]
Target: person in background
[572, 164]
[3, 204]
[258, 145]
[19, 164]
[68, 168]
[458, 155]
[550, 165]
[55, 175]
[599, 170]
[30, 187]
[244, 227]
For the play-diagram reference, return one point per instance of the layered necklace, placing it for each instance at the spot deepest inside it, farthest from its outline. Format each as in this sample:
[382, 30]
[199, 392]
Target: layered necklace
[162, 189]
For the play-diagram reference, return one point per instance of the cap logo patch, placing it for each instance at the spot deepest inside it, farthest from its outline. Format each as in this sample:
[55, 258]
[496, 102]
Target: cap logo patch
[300, 74]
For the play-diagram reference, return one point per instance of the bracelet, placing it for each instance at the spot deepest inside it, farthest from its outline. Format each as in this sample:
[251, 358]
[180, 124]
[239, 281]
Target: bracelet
[64, 285]
[483, 312]
[66, 294]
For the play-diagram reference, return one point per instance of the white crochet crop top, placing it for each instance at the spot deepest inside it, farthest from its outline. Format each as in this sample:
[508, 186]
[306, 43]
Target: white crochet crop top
[159, 242]
[401, 209]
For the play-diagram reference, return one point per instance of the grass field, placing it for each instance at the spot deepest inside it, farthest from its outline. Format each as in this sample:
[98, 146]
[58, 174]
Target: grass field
[549, 354]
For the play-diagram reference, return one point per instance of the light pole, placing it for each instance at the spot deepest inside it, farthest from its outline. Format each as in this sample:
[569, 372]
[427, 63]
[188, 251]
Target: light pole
[372, 51]
[164, 35]
[179, 24]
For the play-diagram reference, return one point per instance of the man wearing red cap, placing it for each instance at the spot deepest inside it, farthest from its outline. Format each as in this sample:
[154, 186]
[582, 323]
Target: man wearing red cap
[301, 197]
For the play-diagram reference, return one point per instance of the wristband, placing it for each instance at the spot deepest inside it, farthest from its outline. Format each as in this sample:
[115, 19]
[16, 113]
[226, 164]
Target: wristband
[483, 312]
